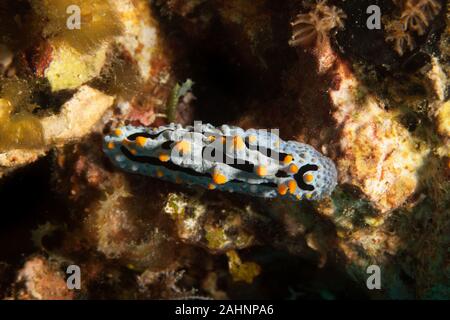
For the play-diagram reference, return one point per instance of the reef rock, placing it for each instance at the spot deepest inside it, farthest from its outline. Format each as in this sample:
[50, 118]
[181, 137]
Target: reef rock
[376, 154]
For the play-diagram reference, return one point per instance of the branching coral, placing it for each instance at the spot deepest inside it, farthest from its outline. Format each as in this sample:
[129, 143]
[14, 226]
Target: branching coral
[313, 28]
[399, 36]
[415, 16]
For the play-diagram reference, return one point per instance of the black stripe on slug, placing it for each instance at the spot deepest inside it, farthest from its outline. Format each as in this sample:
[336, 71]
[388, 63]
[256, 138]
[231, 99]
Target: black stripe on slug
[156, 162]
[133, 136]
[173, 167]
[167, 145]
[282, 174]
[299, 176]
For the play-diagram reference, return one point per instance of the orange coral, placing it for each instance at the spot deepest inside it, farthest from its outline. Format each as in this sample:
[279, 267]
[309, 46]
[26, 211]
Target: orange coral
[399, 36]
[417, 14]
[415, 17]
[313, 28]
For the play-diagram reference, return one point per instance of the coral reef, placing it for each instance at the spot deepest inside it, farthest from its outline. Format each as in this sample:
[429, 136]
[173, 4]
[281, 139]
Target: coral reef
[27, 137]
[415, 16]
[99, 22]
[313, 28]
[377, 154]
[41, 279]
[20, 128]
[375, 102]
[397, 34]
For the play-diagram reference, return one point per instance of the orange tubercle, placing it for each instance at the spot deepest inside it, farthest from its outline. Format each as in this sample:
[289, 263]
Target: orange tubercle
[219, 178]
[293, 168]
[111, 145]
[282, 189]
[308, 177]
[159, 173]
[183, 146]
[261, 171]
[211, 186]
[163, 157]
[292, 186]
[118, 132]
[288, 159]
[140, 141]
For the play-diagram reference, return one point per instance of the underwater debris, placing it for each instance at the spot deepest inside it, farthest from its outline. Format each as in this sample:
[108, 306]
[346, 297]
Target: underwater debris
[254, 162]
[177, 93]
[313, 28]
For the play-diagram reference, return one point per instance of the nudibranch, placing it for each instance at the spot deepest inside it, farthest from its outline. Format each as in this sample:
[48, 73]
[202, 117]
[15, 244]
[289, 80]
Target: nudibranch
[254, 162]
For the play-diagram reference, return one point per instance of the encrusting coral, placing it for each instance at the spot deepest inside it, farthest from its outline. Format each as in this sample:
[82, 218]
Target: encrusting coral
[99, 22]
[27, 137]
[19, 129]
[40, 279]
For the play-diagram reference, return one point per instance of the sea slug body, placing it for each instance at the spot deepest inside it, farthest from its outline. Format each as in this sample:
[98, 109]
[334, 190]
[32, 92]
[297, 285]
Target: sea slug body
[253, 162]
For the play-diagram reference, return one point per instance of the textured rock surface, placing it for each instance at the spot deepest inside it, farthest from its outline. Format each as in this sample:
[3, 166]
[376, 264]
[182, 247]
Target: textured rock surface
[377, 154]
[75, 120]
